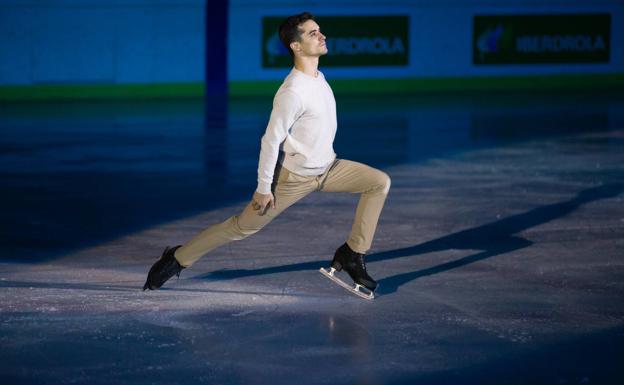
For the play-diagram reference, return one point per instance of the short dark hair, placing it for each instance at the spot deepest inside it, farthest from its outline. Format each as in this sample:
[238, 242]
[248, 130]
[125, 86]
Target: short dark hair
[289, 29]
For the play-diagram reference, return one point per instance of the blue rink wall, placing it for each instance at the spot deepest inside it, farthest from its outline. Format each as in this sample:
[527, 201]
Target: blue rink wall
[95, 44]
[101, 42]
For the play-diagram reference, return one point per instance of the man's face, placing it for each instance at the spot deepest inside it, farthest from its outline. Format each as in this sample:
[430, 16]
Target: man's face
[312, 40]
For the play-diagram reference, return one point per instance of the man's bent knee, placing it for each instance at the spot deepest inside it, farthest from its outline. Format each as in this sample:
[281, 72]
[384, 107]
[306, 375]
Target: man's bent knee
[382, 181]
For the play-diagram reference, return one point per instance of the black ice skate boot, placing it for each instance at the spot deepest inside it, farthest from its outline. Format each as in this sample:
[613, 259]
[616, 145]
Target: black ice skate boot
[166, 267]
[353, 264]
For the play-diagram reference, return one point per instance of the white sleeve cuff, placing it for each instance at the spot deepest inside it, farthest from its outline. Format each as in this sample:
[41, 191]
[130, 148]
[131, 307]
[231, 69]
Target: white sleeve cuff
[263, 188]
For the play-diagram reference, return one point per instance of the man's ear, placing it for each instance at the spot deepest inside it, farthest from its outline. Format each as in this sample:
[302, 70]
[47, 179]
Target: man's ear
[295, 46]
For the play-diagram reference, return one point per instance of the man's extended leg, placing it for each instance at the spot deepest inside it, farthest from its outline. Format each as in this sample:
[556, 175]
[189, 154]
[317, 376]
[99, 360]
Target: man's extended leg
[288, 189]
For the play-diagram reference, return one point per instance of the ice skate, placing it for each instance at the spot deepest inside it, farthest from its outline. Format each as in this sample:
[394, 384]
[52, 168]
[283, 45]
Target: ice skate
[353, 263]
[166, 267]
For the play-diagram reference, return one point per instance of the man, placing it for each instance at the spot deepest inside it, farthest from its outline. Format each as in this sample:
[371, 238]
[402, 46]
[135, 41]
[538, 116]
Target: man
[296, 158]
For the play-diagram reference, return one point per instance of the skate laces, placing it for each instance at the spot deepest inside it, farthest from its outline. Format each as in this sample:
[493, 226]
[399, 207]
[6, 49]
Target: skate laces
[360, 261]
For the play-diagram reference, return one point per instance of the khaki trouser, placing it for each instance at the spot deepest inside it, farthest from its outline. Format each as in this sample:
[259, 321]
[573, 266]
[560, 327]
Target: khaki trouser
[288, 188]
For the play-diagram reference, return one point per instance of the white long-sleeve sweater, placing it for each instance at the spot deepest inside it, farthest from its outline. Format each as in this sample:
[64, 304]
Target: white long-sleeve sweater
[301, 130]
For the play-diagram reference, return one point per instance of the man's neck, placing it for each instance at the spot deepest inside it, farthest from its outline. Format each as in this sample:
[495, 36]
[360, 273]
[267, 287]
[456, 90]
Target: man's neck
[307, 65]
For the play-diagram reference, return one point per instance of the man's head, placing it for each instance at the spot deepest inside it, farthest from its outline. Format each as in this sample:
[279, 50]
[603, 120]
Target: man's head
[302, 36]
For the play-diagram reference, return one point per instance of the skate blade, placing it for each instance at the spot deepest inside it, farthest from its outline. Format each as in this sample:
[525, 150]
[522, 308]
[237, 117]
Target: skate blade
[355, 289]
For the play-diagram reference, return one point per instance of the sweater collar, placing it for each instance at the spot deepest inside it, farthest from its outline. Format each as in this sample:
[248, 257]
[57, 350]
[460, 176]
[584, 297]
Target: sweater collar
[319, 75]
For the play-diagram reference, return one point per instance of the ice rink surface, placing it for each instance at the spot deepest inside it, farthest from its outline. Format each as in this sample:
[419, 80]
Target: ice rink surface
[499, 252]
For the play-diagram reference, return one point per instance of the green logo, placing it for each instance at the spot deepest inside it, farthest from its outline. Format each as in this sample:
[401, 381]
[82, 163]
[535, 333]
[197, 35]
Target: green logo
[533, 39]
[352, 41]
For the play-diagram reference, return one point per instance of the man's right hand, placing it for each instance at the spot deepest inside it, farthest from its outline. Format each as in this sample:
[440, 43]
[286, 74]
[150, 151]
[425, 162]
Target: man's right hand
[261, 202]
